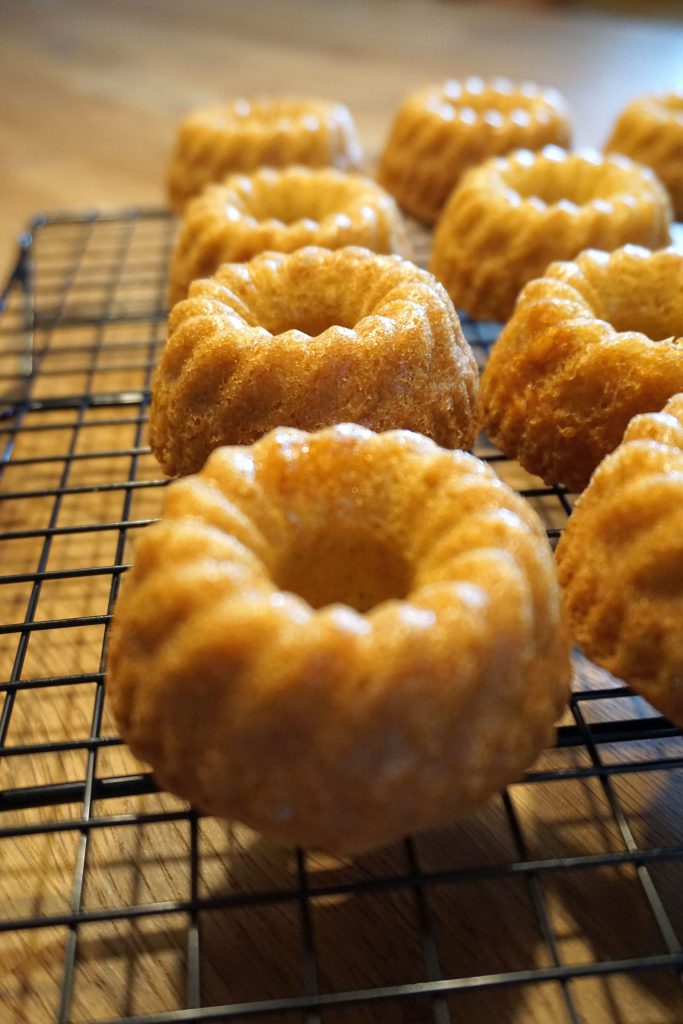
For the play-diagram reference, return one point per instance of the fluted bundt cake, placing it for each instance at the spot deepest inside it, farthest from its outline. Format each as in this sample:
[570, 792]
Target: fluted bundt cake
[441, 131]
[244, 135]
[589, 346]
[512, 216]
[281, 210]
[339, 637]
[620, 560]
[650, 130]
[309, 339]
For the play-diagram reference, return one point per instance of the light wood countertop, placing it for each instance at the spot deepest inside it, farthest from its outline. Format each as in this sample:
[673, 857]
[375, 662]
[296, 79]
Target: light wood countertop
[92, 94]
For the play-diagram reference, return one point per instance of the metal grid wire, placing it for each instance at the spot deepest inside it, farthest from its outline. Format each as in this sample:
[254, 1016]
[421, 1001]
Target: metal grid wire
[489, 920]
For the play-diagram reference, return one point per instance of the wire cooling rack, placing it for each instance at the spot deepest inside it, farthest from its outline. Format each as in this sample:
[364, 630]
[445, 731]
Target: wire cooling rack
[561, 901]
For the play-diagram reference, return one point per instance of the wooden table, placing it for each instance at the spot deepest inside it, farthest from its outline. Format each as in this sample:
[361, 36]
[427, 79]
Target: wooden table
[92, 93]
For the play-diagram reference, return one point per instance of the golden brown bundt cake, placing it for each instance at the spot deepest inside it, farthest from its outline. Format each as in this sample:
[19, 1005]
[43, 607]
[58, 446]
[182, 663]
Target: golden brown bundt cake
[512, 216]
[650, 130]
[620, 560]
[282, 210]
[441, 131]
[244, 135]
[589, 346]
[306, 340]
[339, 637]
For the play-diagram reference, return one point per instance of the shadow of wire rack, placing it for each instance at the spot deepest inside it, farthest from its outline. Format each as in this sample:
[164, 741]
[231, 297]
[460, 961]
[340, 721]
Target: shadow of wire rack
[562, 900]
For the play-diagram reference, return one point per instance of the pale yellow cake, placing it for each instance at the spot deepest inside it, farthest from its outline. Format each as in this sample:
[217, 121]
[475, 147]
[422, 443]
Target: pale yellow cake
[283, 210]
[308, 339]
[441, 131]
[340, 637]
[620, 560]
[512, 216]
[590, 345]
[650, 130]
[247, 134]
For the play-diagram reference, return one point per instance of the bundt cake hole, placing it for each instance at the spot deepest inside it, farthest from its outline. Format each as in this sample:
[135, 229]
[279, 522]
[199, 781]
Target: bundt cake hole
[284, 205]
[278, 200]
[651, 322]
[303, 313]
[549, 190]
[556, 181]
[652, 308]
[345, 567]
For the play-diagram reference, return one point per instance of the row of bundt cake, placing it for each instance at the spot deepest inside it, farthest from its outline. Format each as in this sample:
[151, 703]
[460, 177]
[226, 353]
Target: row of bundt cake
[338, 636]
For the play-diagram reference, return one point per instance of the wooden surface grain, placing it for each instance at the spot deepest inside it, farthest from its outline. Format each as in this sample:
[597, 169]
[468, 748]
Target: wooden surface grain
[92, 93]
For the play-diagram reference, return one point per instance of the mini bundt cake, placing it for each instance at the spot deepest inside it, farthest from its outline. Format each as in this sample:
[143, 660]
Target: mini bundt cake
[620, 560]
[512, 216]
[441, 131]
[282, 210]
[339, 637]
[650, 130]
[244, 135]
[306, 340]
[589, 346]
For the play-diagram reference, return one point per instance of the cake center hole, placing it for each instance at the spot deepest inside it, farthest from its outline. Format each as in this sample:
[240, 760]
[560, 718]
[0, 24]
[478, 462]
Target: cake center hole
[658, 324]
[550, 189]
[649, 303]
[346, 568]
[287, 206]
[304, 312]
